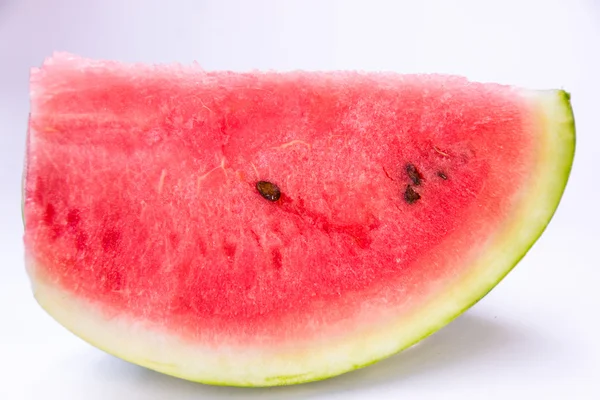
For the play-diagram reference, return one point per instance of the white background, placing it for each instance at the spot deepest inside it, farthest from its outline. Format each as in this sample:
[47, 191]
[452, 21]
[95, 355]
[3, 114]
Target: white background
[535, 336]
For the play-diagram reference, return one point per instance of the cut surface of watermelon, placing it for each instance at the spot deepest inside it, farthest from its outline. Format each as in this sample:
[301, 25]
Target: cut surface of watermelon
[267, 228]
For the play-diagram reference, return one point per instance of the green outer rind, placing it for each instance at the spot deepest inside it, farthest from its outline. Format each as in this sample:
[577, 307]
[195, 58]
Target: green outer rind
[567, 129]
[560, 128]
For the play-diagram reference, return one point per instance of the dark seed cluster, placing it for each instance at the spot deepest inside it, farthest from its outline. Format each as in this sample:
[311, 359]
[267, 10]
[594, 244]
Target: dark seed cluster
[411, 196]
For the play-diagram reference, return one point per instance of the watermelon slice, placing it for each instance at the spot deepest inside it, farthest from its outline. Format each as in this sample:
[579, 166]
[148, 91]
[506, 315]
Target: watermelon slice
[266, 228]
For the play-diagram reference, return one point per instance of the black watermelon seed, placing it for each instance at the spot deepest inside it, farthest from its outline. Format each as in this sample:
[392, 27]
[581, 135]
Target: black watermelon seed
[268, 190]
[442, 175]
[413, 174]
[410, 195]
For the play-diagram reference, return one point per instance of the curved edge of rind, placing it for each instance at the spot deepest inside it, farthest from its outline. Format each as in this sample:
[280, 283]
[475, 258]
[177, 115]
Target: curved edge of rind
[557, 114]
[560, 122]
[566, 131]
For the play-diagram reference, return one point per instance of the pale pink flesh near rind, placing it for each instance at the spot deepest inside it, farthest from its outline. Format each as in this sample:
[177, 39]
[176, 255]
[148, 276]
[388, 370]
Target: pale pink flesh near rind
[360, 307]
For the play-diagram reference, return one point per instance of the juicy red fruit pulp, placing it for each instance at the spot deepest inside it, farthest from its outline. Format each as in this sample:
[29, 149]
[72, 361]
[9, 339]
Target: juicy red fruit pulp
[141, 194]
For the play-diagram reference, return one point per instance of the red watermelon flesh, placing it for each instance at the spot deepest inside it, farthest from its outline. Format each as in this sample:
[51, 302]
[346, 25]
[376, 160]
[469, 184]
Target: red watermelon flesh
[402, 200]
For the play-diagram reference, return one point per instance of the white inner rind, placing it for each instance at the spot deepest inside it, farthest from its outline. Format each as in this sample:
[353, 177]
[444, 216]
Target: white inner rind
[144, 344]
